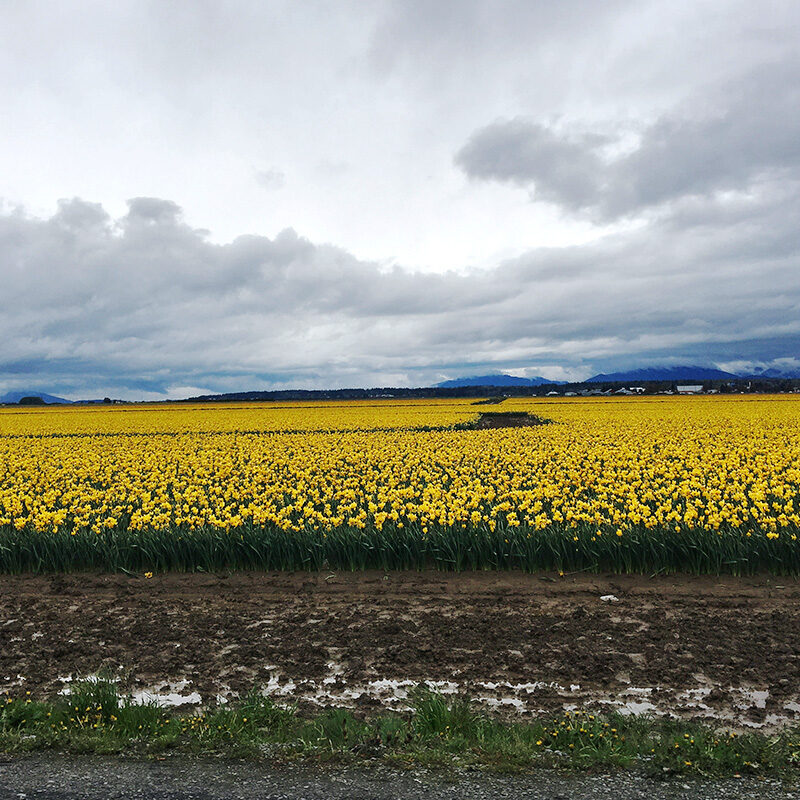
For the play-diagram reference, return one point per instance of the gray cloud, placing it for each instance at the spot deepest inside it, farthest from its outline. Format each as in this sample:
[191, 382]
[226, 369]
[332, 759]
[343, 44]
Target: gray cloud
[733, 138]
[145, 303]
[564, 170]
[425, 34]
[270, 179]
[659, 137]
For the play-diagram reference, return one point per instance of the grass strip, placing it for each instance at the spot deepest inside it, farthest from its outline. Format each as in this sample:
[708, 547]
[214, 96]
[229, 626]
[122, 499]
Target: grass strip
[436, 731]
[503, 547]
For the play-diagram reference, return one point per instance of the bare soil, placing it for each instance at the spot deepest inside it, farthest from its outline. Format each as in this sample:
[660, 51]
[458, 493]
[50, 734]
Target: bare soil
[491, 420]
[725, 648]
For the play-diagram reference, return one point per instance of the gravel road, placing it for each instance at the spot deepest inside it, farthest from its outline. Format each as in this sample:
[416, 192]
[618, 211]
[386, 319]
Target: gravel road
[48, 776]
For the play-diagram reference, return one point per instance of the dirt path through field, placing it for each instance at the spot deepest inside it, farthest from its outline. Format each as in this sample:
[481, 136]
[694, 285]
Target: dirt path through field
[698, 646]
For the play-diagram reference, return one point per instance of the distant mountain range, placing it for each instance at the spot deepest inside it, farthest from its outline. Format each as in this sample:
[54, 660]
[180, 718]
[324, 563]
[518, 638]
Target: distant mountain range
[15, 397]
[678, 374]
[496, 380]
[772, 372]
[682, 373]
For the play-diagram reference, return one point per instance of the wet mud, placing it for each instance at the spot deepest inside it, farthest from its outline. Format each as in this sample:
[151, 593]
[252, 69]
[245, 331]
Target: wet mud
[726, 649]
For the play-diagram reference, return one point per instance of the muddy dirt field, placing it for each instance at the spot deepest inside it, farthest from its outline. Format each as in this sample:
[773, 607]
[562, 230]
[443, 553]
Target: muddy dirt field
[722, 648]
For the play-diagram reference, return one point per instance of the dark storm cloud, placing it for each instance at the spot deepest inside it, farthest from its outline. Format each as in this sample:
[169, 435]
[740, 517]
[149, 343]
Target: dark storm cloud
[145, 303]
[732, 138]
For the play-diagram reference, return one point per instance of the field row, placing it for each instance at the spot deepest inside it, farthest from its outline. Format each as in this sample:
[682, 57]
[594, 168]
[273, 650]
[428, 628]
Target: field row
[719, 473]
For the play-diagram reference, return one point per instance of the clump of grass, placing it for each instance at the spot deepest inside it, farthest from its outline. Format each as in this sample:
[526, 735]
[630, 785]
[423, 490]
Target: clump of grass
[437, 715]
[335, 730]
[690, 748]
[435, 731]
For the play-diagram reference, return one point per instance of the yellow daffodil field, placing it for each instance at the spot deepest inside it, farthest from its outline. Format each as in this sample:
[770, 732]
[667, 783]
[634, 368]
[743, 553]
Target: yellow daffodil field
[705, 484]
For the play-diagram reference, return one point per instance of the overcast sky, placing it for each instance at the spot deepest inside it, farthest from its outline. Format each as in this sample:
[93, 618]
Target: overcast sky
[219, 196]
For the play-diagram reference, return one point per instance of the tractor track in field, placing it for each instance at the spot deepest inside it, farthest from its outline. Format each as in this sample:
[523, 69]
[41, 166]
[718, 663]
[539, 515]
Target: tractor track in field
[725, 648]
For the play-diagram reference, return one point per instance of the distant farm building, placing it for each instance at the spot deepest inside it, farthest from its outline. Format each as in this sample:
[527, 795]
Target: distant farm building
[693, 389]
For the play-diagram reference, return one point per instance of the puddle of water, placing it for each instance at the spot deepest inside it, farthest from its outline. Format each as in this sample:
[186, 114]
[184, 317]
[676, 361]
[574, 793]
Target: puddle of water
[503, 702]
[504, 695]
[10, 683]
[172, 697]
[332, 690]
